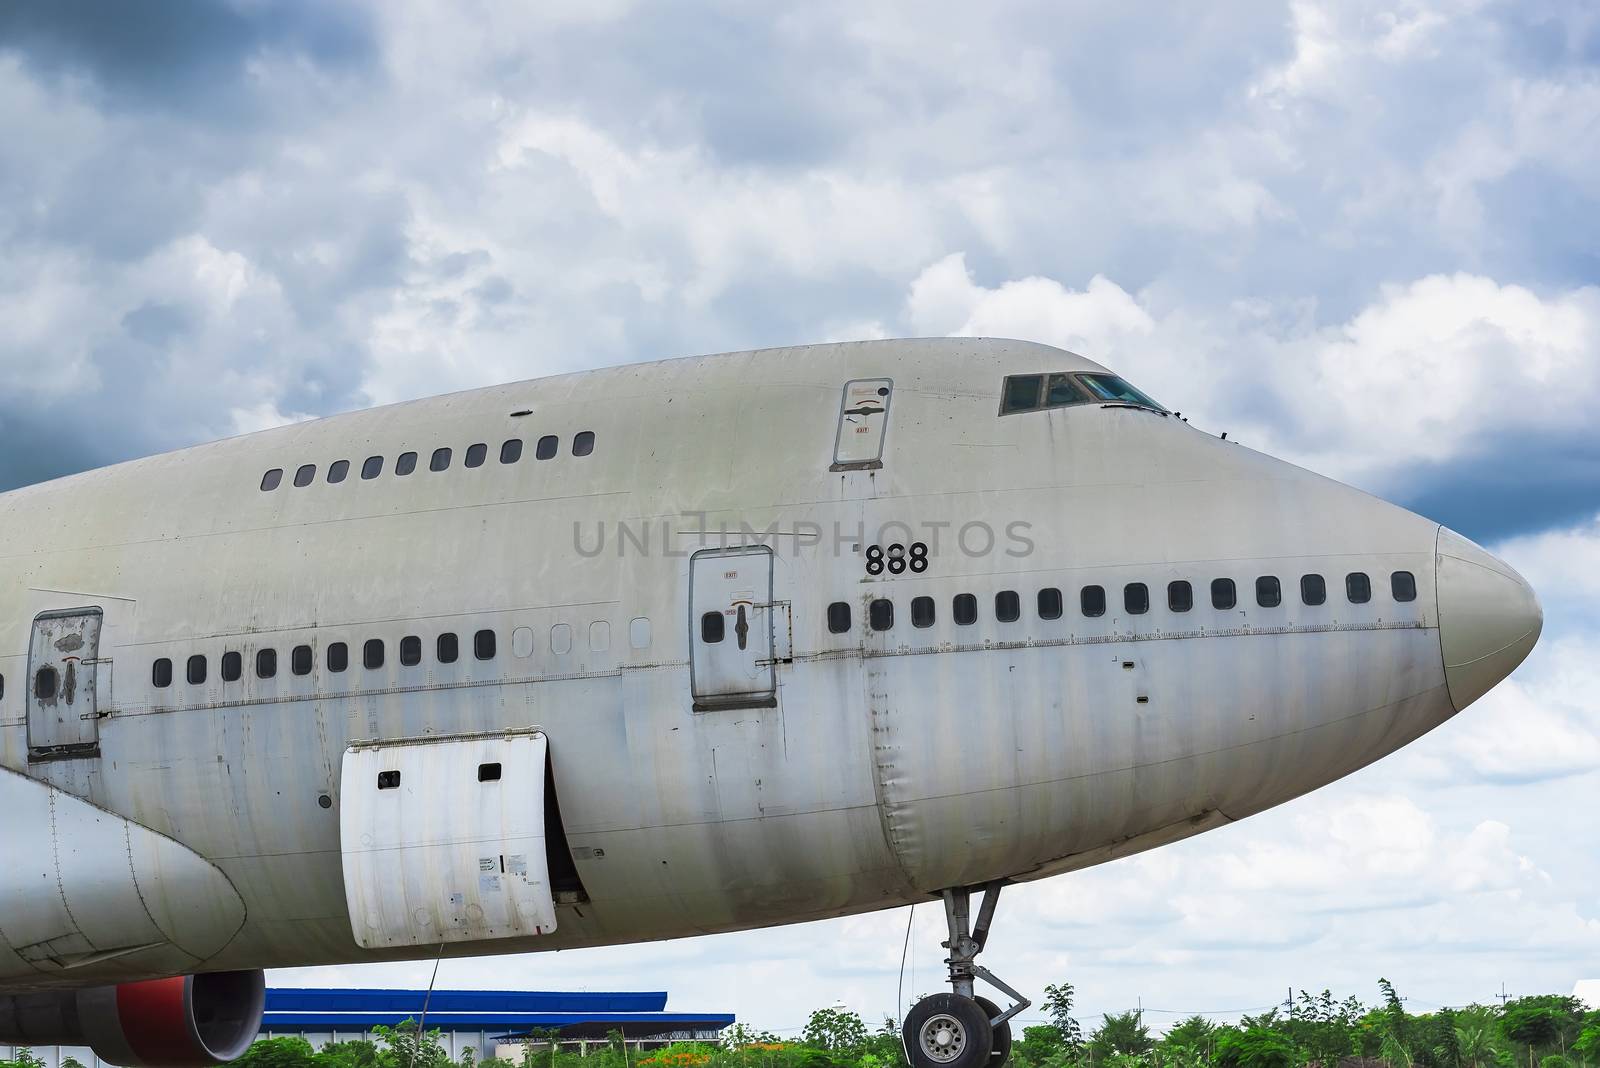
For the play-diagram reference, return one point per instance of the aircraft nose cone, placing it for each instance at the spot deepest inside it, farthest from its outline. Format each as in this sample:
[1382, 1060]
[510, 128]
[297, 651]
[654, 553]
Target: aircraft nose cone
[1489, 618]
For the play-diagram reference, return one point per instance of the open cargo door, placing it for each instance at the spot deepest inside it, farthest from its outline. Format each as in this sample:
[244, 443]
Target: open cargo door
[443, 839]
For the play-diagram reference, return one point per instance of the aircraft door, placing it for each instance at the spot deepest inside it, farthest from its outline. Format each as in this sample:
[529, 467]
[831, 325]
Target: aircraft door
[63, 684]
[732, 662]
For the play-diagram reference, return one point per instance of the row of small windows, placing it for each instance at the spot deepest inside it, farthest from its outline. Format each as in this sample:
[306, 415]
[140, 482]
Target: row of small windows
[374, 653]
[1135, 600]
[447, 650]
[545, 448]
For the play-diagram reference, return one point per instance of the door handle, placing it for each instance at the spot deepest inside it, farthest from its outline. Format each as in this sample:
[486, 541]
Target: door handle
[742, 627]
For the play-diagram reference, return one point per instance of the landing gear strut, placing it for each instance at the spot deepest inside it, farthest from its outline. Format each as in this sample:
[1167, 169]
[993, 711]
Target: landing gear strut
[960, 1029]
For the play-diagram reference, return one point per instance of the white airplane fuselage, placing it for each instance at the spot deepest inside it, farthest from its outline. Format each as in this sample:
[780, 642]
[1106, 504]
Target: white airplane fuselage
[711, 776]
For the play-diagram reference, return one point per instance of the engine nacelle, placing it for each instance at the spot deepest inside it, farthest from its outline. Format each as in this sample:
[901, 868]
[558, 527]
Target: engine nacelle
[188, 1021]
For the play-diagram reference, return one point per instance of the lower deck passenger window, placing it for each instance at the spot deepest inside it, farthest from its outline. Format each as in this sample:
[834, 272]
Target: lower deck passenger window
[266, 663]
[161, 673]
[483, 645]
[300, 660]
[196, 670]
[410, 651]
[1092, 600]
[880, 614]
[922, 612]
[372, 654]
[1223, 594]
[232, 667]
[45, 682]
[964, 609]
[838, 618]
[1007, 606]
[1313, 590]
[1180, 596]
[1136, 598]
[447, 648]
[1269, 591]
[1403, 584]
[338, 657]
[1358, 587]
[1049, 603]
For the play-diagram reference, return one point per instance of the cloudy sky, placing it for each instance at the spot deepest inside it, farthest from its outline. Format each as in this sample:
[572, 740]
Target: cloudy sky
[1363, 236]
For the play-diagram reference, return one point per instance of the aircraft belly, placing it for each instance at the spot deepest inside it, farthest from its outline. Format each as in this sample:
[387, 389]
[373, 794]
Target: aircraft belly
[1110, 741]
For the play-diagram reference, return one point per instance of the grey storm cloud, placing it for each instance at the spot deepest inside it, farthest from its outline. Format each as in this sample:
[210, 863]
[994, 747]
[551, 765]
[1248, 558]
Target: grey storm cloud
[183, 56]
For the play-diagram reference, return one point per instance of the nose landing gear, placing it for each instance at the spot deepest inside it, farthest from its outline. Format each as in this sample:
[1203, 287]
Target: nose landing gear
[960, 1029]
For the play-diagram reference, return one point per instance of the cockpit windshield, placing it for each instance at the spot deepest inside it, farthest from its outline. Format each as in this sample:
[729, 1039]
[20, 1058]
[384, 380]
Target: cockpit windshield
[1114, 389]
[1032, 393]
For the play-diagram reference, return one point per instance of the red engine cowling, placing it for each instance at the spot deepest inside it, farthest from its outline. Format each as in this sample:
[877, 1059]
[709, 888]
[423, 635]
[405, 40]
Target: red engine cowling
[188, 1021]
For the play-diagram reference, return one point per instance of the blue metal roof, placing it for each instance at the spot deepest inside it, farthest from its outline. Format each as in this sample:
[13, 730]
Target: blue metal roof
[509, 1011]
[324, 1000]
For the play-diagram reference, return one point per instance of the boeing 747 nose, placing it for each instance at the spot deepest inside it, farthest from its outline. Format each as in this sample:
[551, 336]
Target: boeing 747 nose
[1489, 618]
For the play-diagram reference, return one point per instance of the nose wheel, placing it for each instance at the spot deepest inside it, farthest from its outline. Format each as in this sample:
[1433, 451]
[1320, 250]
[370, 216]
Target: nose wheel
[961, 1029]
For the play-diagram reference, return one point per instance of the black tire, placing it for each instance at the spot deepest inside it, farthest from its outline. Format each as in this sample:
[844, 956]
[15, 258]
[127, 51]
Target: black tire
[1000, 1046]
[947, 1031]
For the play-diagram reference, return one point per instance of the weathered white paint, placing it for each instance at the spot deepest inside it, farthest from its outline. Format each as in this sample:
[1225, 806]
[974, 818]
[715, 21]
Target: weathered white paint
[441, 855]
[892, 763]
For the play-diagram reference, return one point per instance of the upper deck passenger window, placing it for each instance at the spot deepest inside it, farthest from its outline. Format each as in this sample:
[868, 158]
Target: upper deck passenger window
[583, 444]
[372, 468]
[338, 471]
[1358, 587]
[476, 454]
[1404, 586]
[303, 477]
[405, 463]
[511, 450]
[440, 461]
[272, 479]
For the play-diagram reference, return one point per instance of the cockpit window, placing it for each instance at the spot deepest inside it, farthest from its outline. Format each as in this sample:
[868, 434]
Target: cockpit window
[1021, 393]
[1112, 389]
[1032, 393]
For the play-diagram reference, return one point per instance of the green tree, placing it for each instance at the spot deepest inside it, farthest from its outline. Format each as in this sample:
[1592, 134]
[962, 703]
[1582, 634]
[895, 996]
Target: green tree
[1474, 1041]
[1121, 1032]
[1038, 1046]
[355, 1054]
[1058, 999]
[1253, 1047]
[1587, 1044]
[408, 1048]
[290, 1051]
[1324, 1030]
[835, 1030]
[1544, 1021]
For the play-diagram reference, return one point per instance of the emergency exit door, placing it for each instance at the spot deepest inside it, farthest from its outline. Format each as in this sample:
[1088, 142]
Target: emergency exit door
[731, 663]
[63, 684]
